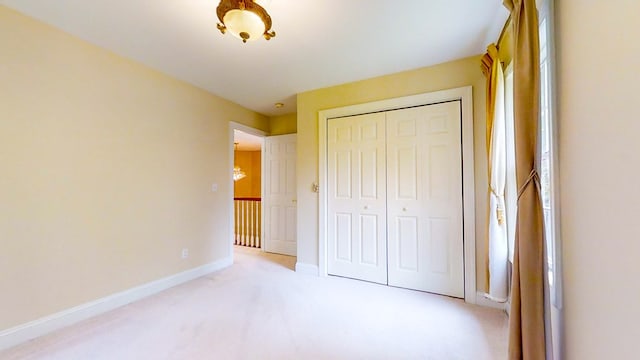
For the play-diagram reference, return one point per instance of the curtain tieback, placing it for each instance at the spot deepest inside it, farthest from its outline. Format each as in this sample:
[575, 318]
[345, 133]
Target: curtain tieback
[533, 176]
[499, 207]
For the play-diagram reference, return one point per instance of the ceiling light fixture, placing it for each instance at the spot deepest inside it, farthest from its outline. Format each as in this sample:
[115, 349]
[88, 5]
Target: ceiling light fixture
[244, 19]
[237, 172]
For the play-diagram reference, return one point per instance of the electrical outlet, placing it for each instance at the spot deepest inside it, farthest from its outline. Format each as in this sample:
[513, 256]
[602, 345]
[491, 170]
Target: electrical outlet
[185, 253]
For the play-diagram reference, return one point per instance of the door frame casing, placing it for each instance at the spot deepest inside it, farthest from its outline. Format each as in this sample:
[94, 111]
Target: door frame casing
[465, 96]
[252, 131]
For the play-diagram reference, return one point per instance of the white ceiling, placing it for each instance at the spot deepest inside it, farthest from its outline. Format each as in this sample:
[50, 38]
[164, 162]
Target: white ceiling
[246, 142]
[319, 43]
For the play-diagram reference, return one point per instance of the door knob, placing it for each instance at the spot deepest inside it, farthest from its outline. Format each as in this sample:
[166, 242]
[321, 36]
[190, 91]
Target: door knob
[404, 209]
[366, 207]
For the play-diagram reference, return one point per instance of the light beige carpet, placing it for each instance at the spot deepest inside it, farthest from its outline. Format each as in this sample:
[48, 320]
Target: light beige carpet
[261, 309]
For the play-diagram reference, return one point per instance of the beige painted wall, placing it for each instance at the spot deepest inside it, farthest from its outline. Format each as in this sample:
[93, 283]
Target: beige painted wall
[599, 83]
[250, 163]
[106, 171]
[284, 124]
[454, 74]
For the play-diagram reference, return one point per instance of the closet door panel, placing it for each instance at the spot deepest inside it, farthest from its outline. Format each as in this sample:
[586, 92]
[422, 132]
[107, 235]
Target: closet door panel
[356, 245]
[424, 199]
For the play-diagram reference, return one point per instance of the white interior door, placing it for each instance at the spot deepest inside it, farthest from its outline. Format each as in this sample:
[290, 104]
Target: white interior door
[356, 198]
[394, 198]
[424, 199]
[279, 199]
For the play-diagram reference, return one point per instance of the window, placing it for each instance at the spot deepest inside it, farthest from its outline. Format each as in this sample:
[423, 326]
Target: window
[547, 151]
[511, 187]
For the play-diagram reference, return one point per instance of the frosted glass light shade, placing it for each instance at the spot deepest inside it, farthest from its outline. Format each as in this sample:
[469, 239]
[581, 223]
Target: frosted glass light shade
[243, 24]
[238, 173]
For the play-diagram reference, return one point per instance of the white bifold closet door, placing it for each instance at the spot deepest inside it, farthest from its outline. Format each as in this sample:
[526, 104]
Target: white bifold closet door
[357, 244]
[424, 197]
[416, 182]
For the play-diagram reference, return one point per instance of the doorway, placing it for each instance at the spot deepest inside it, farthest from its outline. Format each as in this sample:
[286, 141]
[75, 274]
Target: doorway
[247, 189]
[263, 201]
[247, 135]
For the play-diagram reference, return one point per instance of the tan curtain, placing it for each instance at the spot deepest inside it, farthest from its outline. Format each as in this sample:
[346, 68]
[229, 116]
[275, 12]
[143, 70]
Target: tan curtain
[487, 64]
[496, 249]
[526, 320]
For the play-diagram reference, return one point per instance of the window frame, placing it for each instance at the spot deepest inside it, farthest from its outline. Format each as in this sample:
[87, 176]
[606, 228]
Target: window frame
[546, 17]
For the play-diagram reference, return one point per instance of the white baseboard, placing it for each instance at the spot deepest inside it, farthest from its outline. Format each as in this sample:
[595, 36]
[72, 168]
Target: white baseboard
[307, 269]
[483, 300]
[33, 329]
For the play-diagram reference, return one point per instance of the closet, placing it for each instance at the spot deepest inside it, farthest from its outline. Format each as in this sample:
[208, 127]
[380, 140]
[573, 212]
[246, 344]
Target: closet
[394, 198]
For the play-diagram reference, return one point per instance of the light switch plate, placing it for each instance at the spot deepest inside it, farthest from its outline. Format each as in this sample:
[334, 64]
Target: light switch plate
[214, 187]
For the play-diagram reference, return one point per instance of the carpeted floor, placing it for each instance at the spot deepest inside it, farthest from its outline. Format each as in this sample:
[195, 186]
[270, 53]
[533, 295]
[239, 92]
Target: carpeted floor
[261, 309]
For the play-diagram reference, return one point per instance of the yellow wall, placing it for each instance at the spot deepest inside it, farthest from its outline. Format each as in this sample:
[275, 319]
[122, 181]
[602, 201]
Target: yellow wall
[284, 124]
[454, 74]
[250, 163]
[106, 171]
[599, 82]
